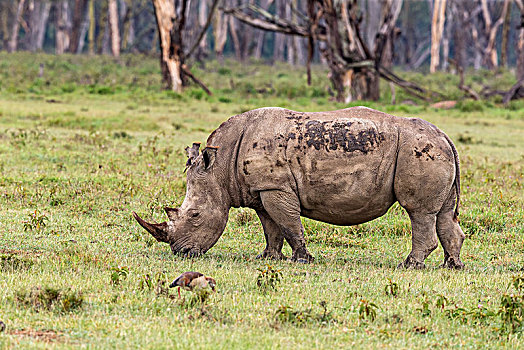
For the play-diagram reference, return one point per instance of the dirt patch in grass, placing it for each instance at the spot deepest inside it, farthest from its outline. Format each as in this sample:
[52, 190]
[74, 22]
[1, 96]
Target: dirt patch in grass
[46, 336]
[20, 252]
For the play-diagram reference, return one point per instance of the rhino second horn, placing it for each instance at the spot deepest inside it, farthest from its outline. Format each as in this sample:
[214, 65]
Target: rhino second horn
[159, 231]
[172, 213]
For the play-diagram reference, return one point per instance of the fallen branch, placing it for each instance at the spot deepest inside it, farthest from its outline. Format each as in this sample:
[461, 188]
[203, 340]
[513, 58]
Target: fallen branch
[274, 25]
[195, 79]
[516, 91]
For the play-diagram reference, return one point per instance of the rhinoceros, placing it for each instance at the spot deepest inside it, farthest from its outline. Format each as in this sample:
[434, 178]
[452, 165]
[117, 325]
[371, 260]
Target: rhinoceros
[342, 167]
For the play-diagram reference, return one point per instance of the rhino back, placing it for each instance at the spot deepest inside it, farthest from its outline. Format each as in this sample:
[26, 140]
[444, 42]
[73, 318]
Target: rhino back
[340, 163]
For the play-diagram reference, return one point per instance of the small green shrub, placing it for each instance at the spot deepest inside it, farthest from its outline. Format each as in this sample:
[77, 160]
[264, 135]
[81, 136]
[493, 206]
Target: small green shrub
[268, 278]
[13, 262]
[367, 310]
[225, 99]
[224, 71]
[318, 92]
[118, 274]
[48, 298]
[392, 288]
[511, 310]
[68, 88]
[197, 94]
[470, 106]
[101, 90]
[36, 222]
[286, 314]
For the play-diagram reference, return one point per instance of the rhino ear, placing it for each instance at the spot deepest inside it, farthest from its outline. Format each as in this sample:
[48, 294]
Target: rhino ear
[209, 154]
[192, 153]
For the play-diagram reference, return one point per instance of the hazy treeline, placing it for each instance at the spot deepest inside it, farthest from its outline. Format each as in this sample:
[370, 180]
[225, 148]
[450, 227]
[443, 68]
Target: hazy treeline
[478, 33]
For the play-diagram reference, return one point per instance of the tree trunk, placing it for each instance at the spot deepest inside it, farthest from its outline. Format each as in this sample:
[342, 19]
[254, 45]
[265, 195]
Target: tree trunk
[246, 38]
[505, 37]
[63, 26]
[386, 33]
[202, 19]
[279, 42]
[102, 27]
[234, 36]
[459, 33]
[4, 27]
[437, 27]
[78, 19]
[220, 24]
[83, 32]
[115, 31]
[13, 41]
[408, 33]
[372, 23]
[520, 43]
[260, 35]
[128, 24]
[446, 40]
[38, 22]
[291, 42]
[92, 27]
[170, 28]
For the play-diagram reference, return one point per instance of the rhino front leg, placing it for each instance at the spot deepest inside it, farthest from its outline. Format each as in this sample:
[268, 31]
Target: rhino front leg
[423, 240]
[284, 208]
[274, 237]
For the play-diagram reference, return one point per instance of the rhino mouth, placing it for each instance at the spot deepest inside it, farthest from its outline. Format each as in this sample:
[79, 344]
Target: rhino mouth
[187, 252]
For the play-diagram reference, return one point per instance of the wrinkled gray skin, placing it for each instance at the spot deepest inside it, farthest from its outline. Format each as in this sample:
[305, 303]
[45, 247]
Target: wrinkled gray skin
[342, 167]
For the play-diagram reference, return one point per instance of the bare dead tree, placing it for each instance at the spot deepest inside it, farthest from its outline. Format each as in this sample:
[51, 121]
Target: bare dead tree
[92, 26]
[517, 90]
[220, 25]
[490, 32]
[78, 17]
[13, 41]
[37, 23]
[437, 27]
[63, 26]
[115, 30]
[505, 36]
[520, 44]
[171, 20]
[355, 69]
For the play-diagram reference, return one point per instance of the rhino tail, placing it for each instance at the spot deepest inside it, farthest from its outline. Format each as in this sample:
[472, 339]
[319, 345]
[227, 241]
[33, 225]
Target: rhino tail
[456, 183]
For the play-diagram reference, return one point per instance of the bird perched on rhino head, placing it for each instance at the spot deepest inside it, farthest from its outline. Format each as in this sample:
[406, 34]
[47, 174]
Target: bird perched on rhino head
[195, 282]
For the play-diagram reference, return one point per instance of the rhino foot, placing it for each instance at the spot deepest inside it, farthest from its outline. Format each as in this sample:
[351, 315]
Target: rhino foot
[411, 263]
[268, 254]
[304, 258]
[453, 263]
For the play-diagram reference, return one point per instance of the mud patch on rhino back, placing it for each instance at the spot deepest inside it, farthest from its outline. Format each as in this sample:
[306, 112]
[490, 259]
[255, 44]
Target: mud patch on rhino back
[348, 135]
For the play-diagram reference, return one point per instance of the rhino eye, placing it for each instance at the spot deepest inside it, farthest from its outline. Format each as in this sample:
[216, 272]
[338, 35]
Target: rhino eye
[194, 215]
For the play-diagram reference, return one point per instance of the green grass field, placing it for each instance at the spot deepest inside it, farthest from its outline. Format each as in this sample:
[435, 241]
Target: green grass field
[91, 141]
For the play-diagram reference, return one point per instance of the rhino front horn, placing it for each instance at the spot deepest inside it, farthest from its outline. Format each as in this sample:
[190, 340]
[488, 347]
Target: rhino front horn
[159, 231]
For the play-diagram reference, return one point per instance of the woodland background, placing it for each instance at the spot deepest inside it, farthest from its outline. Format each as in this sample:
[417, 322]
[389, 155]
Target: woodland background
[348, 36]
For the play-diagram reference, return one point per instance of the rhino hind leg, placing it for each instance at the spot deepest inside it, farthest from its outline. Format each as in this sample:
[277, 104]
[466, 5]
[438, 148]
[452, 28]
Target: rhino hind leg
[274, 237]
[284, 209]
[423, 240]
[450, 235]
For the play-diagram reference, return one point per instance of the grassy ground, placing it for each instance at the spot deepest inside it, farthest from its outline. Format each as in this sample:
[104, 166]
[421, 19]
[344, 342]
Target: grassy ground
[92, 140]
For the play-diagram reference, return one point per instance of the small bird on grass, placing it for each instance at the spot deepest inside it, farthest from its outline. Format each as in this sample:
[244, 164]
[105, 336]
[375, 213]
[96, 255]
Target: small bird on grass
[195, 282]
